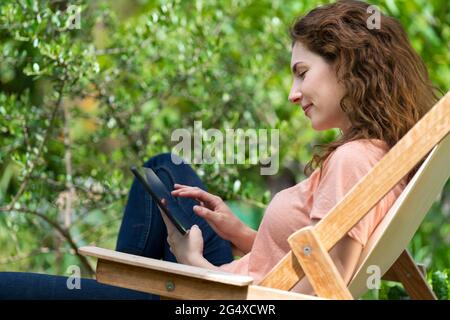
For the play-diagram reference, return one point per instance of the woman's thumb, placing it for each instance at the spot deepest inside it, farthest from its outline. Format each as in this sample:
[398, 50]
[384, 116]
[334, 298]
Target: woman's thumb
[196, 229]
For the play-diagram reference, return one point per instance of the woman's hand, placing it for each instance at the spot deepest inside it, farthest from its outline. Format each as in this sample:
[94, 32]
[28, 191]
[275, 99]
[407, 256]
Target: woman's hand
[188, 248]
[219, 216]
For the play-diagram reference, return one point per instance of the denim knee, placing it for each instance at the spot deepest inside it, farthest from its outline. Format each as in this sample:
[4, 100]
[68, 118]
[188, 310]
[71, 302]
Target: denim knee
[165, 158]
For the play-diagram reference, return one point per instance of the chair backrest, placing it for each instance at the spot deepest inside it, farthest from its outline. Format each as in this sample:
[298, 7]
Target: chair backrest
[403, 219]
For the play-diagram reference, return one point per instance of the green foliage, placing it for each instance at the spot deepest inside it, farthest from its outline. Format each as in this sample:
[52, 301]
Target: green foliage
[78, 106]
[440, 282]
[392, 291]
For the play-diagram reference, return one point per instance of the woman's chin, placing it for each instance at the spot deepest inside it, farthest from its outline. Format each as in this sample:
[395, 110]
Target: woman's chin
[318, 126]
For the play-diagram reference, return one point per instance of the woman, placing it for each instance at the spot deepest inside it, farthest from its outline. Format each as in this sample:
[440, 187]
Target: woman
[369, 83]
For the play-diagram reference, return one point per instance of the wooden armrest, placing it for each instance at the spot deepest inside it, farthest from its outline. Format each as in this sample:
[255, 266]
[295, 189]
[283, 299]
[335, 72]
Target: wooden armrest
[179, 281]
[165, 266]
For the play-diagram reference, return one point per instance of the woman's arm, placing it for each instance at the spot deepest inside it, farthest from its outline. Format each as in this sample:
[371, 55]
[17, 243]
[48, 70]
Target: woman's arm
[243, 240]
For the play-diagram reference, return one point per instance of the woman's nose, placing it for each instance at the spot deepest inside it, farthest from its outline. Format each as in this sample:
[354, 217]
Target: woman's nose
[294, 97]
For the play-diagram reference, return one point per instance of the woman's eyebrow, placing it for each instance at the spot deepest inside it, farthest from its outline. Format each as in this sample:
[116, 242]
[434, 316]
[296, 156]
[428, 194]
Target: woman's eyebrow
[294, 67]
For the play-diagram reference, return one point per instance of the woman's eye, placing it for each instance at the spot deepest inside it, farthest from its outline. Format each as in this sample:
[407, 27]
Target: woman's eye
[301, 75]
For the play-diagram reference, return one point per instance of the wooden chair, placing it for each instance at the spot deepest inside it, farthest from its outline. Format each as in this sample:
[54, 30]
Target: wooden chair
[429, 139]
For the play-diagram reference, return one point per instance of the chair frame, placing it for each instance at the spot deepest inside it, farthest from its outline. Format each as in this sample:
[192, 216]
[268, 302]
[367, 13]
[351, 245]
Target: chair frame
[309, 246]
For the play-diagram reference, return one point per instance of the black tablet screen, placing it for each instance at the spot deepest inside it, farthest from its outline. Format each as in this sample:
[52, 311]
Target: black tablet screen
[158, 191]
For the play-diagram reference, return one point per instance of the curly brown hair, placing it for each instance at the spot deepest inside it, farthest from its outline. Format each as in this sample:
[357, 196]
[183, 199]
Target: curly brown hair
[386, 82]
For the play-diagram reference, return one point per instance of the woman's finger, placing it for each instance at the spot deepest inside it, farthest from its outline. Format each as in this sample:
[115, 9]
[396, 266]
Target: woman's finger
[199, 195]
[178, 186]
[204, 212]
[182, 188]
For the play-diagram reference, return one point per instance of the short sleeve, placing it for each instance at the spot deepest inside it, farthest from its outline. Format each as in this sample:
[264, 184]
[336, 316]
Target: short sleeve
[344, 168]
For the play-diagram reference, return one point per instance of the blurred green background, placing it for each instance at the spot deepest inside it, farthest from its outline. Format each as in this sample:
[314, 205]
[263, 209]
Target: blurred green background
[79, 105]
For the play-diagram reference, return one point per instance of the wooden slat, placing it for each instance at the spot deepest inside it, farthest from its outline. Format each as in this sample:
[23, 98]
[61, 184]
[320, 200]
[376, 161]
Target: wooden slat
[400, 160]
[422, 269]
[285, 274]
[414, 282]
[178, 286]
[390, 275]
[262, 293]
[175, 268]
[318, 266]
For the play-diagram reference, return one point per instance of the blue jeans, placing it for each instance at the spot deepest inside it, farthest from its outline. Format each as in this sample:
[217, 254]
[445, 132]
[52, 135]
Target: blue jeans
[142, 233]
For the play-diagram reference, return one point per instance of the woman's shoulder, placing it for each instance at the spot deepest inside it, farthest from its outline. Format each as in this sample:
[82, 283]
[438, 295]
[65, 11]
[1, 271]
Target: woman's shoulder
[364, 144]
[361, 151]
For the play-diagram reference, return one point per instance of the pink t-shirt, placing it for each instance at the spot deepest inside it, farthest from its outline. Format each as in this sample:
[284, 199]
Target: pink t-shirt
[293, 208]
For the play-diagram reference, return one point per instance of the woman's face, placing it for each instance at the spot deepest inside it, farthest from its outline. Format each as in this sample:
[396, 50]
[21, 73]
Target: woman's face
[315, 82]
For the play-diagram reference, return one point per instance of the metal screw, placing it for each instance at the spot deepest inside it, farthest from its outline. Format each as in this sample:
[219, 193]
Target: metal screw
[307, 250]
[170, 286]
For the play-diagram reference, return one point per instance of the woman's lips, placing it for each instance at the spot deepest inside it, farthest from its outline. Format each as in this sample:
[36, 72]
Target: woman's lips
[307, 108]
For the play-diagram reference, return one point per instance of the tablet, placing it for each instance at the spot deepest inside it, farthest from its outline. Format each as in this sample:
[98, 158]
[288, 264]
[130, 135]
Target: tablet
[158, 191]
